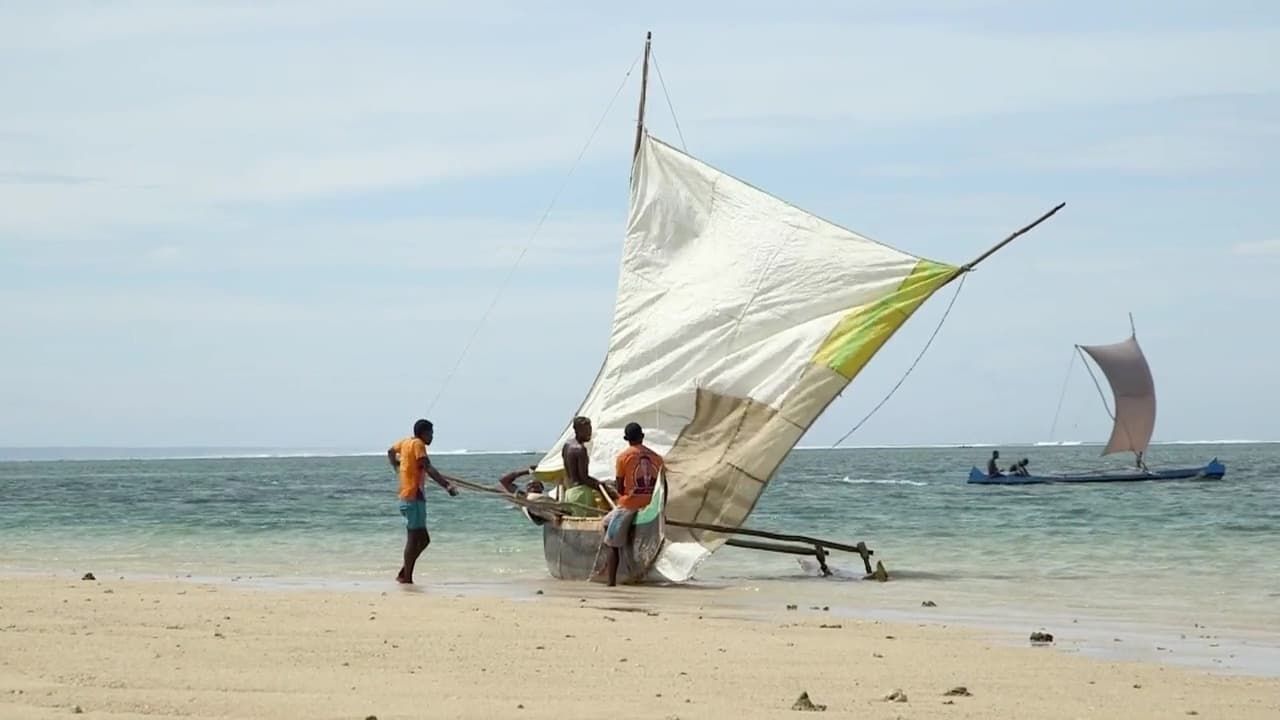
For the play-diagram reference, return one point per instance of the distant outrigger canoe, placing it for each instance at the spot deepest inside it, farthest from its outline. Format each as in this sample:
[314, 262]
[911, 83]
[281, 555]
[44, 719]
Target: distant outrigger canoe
[1133, 423]
[1214, 470]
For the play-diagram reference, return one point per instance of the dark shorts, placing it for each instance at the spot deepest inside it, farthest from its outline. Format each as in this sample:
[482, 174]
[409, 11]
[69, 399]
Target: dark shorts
[415, 514]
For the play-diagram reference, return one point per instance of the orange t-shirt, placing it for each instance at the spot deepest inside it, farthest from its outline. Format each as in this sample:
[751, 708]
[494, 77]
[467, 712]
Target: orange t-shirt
[410, 451]
[637, 471]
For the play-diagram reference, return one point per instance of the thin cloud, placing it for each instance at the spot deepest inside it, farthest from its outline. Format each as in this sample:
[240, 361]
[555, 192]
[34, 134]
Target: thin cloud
[39, 178]
[1257, 248]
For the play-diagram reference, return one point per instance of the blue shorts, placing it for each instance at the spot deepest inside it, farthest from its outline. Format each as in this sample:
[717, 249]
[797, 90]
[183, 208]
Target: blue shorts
[415, 514]
[617, 527]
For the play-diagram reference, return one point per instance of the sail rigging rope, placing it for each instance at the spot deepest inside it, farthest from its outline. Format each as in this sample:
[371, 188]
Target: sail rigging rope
[915, 362]
[683, 145]
[1061, 396]
[475, 332]
[1105, 405]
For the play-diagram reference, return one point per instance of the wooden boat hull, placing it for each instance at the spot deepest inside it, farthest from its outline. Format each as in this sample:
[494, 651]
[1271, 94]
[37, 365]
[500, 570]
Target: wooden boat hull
[1214, 470]
[574, 548]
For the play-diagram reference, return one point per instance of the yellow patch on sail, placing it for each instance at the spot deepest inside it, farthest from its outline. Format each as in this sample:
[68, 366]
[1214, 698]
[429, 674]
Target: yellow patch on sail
[860, 334]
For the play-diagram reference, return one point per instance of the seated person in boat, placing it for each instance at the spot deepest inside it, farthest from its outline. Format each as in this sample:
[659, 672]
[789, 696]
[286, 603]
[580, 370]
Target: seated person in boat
[993, 468]
[508, 482]
[581, 487]
[531, 491]
[1020, 468]
[637, 471]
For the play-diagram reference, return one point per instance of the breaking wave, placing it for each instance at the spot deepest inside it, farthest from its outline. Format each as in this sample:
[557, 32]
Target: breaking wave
[881, 481]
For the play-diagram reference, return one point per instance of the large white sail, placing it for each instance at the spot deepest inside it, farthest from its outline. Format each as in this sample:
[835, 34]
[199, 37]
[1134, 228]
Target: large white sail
[738, 319]
[1135, 394]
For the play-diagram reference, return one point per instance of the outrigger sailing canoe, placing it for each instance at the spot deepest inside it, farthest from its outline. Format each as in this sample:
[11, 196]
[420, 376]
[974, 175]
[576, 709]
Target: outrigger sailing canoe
[1133, 423]
[1214, 470]
[739, 318]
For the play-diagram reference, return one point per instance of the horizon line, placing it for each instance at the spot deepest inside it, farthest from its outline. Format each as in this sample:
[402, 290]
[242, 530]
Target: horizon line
[247, 452]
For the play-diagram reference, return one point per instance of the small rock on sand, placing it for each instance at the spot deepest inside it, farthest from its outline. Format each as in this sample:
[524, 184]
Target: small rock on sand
[791, 607]
[830, 627]
[803, 703]
[538, 593]
[1038, 638]
[896, 696]
[958, 691]
[88, 576]
[77, 710]
[928, 603]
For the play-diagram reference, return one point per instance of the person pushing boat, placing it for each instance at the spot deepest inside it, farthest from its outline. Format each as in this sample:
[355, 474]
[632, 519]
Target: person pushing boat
[409, 458]
[637, 470]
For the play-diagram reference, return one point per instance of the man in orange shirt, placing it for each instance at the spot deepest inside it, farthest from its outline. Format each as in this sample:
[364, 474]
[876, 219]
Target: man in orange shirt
[637, 470]
[409, 457]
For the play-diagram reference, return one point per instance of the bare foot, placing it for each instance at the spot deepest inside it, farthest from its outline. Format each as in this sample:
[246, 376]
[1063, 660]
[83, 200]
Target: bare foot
[403, 580]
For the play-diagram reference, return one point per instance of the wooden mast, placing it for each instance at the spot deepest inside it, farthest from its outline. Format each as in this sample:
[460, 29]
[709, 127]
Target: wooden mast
[644, 88]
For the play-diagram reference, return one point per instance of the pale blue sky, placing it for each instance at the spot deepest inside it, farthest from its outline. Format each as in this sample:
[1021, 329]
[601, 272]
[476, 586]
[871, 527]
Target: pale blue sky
[276, 223]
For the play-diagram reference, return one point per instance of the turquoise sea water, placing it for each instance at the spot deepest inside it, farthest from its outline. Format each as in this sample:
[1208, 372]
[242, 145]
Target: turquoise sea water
[1175, 557]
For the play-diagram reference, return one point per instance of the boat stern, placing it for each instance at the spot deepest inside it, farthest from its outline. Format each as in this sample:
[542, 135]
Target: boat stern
[1214, 470]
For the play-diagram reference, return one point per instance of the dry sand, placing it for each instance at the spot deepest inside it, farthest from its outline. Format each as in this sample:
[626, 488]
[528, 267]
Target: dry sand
[123, 649]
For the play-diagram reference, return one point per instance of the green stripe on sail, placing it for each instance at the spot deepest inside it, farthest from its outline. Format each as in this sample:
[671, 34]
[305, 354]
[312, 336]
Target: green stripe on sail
[860, 334]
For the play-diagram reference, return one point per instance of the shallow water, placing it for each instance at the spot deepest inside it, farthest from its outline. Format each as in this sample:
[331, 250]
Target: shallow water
[1167, 555]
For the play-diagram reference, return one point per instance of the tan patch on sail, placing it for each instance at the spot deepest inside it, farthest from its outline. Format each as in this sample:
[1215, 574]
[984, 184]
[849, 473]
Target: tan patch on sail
[723, 459]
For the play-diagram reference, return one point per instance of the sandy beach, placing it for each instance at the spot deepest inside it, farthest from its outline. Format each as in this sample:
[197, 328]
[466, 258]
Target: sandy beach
[112, 648]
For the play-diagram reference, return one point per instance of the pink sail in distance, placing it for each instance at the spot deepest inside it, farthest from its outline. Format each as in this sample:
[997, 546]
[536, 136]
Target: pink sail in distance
[1135, 394]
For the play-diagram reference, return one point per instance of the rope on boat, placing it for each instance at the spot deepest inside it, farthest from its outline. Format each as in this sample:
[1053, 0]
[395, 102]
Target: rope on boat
[1061, 396]
[683, 145]
[915, 362]
[541, 504]
[961, 272]
[529, 242]
[1105, 405]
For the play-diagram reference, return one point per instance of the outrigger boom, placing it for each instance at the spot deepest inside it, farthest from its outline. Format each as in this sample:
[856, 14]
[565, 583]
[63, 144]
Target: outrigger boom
[818, 550]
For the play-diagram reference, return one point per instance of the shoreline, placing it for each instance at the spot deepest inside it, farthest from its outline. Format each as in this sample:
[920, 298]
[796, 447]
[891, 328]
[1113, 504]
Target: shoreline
[166, 648]
[1230, 650]
[128, 453]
